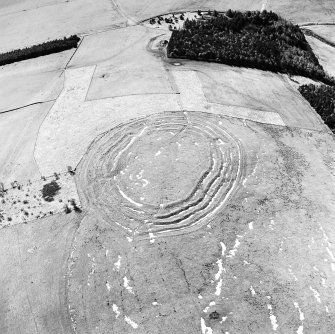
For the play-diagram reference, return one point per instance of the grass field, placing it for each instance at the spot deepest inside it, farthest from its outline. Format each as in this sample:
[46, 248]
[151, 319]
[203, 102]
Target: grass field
[68, 135]
[206, 190]
[31, 81]
[325, 31]
[174, 291]
[325, 54]
[34, 261]
[18, 135]
[118, 72]
[298, 11]
[55, 21]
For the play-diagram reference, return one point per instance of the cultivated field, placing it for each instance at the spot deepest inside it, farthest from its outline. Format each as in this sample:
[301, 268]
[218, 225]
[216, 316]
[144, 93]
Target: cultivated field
[205, 191]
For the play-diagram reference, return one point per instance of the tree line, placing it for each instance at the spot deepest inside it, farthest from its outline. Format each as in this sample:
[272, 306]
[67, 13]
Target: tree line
[322, 99]
[261, 40]
[57, 45]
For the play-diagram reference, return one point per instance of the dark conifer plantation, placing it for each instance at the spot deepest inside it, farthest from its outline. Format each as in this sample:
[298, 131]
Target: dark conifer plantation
[261, 40]
[322, 99]
[39, 50]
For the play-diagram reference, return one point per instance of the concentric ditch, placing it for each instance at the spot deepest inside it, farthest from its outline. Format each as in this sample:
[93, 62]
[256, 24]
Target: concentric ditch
[162, 174]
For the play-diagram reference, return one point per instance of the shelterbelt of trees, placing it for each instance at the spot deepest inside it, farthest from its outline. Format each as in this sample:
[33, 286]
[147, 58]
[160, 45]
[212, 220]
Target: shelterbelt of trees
[261, 40]
[322, 99]
[39, 50]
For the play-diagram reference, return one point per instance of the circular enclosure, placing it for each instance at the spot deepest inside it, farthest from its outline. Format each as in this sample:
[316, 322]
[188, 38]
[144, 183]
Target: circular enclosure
[162, 173]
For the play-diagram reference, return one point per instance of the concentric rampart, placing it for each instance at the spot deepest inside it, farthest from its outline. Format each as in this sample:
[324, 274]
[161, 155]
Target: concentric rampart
[163, 173]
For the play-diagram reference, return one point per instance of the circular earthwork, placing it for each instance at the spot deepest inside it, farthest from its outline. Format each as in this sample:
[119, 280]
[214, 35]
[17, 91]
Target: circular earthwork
[162, 174]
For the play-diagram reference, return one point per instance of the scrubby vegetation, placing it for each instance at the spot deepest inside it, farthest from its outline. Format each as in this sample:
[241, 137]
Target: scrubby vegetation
[322, 99]
[50, 190]
[76, 208]
[39, 50]
[261, 40]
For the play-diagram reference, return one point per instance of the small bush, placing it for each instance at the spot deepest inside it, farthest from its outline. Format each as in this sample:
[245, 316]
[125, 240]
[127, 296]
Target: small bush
[76, 208]
[214, 315]
[50, 190]
[67, 210]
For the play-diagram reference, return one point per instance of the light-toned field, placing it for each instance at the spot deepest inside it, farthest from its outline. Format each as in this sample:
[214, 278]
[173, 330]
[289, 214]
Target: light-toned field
[207, 190]
[18, 133]
[33, 277]
[298, 11]
[268, 249]
[304, 11]
[256, 90]
[34, 26]
[118, 72]
[325, 54]
[325, 31]
[10, 6]
[192, 98]
[65, 135]
[32, 81]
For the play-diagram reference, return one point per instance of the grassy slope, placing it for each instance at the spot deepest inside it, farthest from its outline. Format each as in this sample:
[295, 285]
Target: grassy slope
[327, 31]
[33, 258]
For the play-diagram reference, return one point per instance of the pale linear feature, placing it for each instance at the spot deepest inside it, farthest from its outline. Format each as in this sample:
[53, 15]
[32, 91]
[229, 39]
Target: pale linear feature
[193, 98]
[73, 123]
